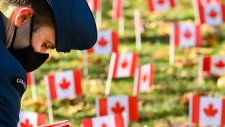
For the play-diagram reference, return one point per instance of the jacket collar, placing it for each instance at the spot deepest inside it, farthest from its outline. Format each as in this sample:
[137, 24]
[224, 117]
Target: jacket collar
[2, 30]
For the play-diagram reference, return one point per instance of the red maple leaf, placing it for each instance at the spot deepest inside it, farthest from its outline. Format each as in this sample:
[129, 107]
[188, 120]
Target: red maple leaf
[160, 2]
[187, 34]
[210, 111]
[208, 1]
[64, 85]
[26, 124]
[104, 125]
[124, 63]
[220, 64]
[118, 108]
[102, 42]
[213, 14]
[145, 77]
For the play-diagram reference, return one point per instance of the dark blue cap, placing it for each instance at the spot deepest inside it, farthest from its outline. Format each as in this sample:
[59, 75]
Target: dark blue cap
[74, 23]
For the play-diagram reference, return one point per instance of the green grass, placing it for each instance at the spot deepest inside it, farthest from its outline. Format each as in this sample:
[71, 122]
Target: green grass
[157, 106]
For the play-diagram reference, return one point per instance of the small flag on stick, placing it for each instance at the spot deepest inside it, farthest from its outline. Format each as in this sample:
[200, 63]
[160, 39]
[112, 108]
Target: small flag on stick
[62, 85]
[184, 35]
[143, 79]
[209, 111]
[121, 65]
[107, 42]
[210, 12]
[161, 5]
[115, 120]
[118, 104]
[31, 119]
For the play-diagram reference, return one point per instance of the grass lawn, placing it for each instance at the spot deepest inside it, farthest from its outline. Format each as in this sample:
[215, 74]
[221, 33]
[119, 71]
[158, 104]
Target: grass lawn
[167, 102]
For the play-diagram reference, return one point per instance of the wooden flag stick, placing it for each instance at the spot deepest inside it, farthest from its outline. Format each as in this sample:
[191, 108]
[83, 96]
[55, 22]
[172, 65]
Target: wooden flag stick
[171, 57]
[85, 68]
[137, 29]
[135, 81]
[33, 87]
[50, 113]
[99, 15]
[178, 11]
[195, 7]
[121, 19]
[190, 111]
[200, 68]
[34, 94]
[121, 26]
[110, 74]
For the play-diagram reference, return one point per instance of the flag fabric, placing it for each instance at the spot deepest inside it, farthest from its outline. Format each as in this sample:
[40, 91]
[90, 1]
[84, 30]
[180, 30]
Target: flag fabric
[144, 78]
[211, 14]
[207, 111]
[64, 123]
[161, 5]
[94, 5]
[30, 79]
[64, 84]
[186, 35]
[115, 120]
[205, 2]
[107, 42]
[117, 9]
[31, 119]
[118, 104]
[124, 64]
[213, 64]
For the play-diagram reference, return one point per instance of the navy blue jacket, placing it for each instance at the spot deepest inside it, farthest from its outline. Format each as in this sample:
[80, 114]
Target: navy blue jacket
[12, 86]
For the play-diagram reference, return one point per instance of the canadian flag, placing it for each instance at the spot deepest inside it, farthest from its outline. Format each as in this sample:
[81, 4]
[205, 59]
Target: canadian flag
[94, 5]
[124, 64]
[161, 5]
[117, 9]
[30, 79]
[213, 64]
[212, 14]
[143, 77]
[31, 119]
[116, 120]
[186, 35]
[65, 84]
[204, 2]
[107, 42]
[118, 104]
[207, 110]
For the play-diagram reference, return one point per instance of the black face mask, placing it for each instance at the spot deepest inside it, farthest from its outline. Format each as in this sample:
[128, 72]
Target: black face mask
[28, 58]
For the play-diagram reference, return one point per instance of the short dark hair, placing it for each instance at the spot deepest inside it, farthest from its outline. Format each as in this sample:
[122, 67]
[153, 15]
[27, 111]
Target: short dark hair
[42, 11]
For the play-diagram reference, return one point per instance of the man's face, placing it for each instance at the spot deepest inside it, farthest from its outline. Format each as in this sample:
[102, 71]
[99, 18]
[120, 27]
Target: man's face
[43, 39]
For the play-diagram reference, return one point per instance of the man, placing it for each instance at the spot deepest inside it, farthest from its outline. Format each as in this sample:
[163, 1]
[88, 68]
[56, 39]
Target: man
[28, 28]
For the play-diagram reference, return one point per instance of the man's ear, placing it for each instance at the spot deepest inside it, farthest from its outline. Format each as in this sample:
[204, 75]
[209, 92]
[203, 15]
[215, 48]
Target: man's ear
[23, 15]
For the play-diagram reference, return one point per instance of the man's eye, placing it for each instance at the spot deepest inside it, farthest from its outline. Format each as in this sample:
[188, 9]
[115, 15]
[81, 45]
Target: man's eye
[47, 46]
[44, 45]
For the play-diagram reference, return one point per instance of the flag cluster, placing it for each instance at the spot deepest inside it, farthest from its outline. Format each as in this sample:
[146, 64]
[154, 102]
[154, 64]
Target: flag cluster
[116, 111]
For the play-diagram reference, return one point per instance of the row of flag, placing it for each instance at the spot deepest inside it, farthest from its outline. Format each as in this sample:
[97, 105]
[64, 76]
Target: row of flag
[203, 110]
[121, 109]
[68, 83]
[211, 12]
